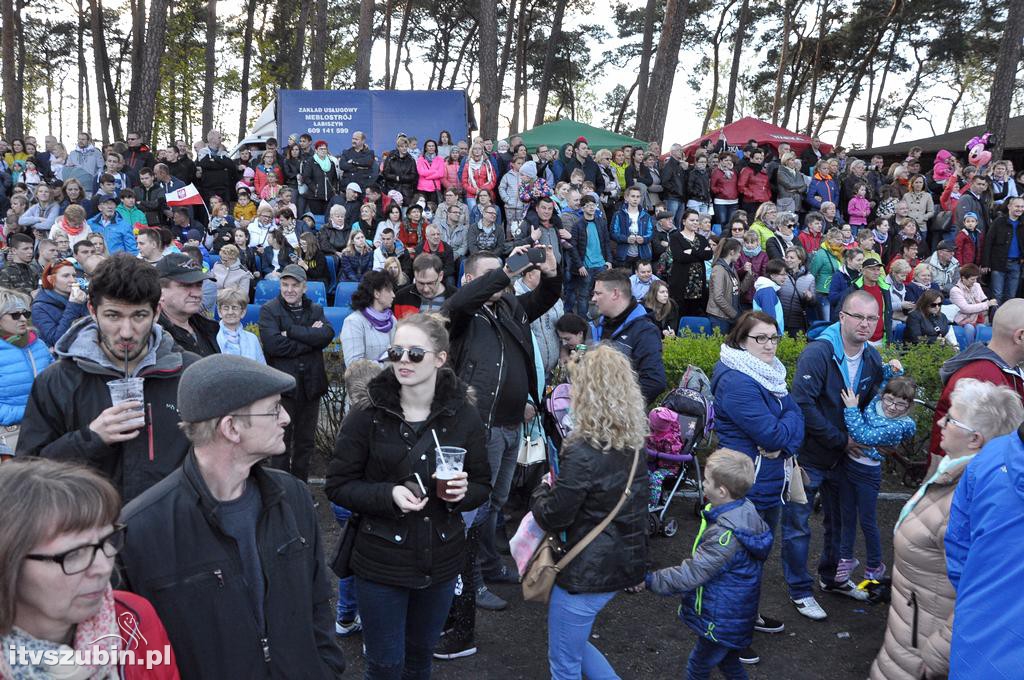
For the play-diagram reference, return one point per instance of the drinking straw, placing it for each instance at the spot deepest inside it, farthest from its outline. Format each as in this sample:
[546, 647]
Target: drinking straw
[440, 453]
[125, 363]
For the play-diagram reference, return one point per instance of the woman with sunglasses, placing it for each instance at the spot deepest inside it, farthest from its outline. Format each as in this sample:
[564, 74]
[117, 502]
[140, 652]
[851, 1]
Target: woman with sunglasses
[411, 542]
[368, 330]
[917, 636]
[23, 356]
[926, 323]
[57, 549]
[60, 303]
[757, 415]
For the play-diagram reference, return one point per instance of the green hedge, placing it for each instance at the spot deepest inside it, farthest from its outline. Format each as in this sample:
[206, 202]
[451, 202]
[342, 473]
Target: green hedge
[921, 362]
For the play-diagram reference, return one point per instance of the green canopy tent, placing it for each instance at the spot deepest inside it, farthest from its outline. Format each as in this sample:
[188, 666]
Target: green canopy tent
[562, 132]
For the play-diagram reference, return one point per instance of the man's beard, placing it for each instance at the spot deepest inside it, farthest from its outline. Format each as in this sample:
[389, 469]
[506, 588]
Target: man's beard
[141, 346]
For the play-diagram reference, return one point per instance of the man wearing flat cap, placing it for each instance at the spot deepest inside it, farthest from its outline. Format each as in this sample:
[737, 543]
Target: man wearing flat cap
[229, 551]
[294, 333]
[181, 282]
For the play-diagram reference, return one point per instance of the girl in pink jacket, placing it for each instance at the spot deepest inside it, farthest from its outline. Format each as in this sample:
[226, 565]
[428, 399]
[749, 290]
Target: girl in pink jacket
[430, 167]
[859, 208]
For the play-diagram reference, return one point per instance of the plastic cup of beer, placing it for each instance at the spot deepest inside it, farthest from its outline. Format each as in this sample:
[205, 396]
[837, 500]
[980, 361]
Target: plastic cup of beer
[129, 389]
[450, 460]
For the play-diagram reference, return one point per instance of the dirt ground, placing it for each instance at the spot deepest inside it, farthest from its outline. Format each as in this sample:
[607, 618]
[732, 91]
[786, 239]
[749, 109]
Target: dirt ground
[643, 638]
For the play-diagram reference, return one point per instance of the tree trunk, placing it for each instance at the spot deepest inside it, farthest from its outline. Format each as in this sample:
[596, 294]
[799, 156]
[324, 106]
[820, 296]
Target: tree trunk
[210, 54]
[652, 126]
[462, 55]
[138, 10]
[783, 53]
[624, 104]
[737, 52]
[318, 46]
[644, 77]
[298, 47]
[142, 104]
[918, 74]
[99, 60]
[364, 44]
[872, 119]
[864, 65]
[14, 124]
[387, 42]
[814, 68]
[518, 79]
[402, 34]
[82, 75]
[243, 115]
[1001, 95]
[506, 47]
[716, 41]
[554, 39]
[490, 96]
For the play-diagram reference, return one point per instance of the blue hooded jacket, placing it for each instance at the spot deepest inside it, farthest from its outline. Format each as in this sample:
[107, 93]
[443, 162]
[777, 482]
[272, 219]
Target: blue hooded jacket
[53, 314]
[118, 235]
[748, 416]
[820, 378]
[985, 530]
[620, 233]
[721, 583]
[21, 366]
[640, 340]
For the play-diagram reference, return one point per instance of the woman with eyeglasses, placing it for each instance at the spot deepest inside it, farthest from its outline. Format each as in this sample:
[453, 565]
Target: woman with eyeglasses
[756, 415]
[367, 331]
[23, 356]
[57, 549]
[918, 633]
[411, 542]
[926, 323]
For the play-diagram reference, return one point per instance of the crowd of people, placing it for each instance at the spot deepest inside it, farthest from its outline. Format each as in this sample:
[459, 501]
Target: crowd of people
[485, 276]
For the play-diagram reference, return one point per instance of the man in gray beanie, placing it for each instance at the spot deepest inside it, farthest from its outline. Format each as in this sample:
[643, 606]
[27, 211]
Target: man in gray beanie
[229, 551]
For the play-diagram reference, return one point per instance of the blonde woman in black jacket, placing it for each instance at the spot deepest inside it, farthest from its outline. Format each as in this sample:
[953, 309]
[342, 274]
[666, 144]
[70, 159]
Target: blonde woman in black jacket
[610, 425]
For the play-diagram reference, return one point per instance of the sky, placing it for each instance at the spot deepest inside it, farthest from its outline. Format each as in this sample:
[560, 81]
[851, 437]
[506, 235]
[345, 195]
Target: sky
[684, 117]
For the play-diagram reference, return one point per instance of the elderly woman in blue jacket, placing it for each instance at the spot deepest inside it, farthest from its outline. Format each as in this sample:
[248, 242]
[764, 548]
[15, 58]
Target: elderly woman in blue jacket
[23, 356]
[756, 415]
[60, 303]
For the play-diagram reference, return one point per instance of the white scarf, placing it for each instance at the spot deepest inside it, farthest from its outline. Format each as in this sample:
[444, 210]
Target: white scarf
[771, 376]
[474, 166]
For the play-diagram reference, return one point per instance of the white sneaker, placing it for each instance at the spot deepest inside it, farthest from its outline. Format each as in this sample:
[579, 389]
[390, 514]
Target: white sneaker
[350, 628]
[810, 608]
[847, 588]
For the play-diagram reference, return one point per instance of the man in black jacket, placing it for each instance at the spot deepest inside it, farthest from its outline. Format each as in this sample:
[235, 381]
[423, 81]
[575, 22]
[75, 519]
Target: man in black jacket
[69, 414]
[150, 198]
[492, 350]
[229, 552]
[673, 182]
[358, 163]
[138, 156]
[217, 171]
[181, 281]
[180, 166]
[582, 159]
[294, 333]
[1003, 250]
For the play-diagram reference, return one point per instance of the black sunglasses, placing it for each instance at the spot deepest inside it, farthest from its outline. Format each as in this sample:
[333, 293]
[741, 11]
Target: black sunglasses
[416, 354]
[24, 314]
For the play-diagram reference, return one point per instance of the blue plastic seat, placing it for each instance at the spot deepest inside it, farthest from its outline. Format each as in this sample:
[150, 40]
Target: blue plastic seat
[317, 292]
[336, 317]
[698, 325]
[332, 272]
[897, 331]
[318, 220]
[267, 290]
[961, 337]
[343, 293]
[982, 333]
[252, 315]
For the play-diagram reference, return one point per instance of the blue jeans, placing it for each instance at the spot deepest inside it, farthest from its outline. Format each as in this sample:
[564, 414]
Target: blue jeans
[796, 519]
[1006, 284]
[347, 608]
[706, 655]
[858, 497]
[724, 213]
[570, 618]
[502, 452]
[824, 307]
[969, 332]
[792, 566]
[401, 627]
[675, 207]
[579, 292]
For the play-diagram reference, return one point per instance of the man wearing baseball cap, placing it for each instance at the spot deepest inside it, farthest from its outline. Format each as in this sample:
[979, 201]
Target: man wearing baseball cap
[294, 333]
[872, 280]
[944, 267]
[181, 281]
[229, 551]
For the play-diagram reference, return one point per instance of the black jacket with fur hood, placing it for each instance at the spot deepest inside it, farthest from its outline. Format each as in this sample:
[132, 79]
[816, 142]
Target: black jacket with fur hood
[372, 456]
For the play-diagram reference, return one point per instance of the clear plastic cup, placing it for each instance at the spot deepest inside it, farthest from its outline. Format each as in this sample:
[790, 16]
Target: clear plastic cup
[129, 389]
[450, 460]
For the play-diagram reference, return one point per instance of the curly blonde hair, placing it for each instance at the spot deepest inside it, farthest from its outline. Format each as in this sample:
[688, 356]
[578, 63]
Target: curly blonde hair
[607, 406]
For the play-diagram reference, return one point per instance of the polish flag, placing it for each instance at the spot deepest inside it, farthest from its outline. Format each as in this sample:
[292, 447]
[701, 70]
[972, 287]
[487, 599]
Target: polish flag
[186, 195]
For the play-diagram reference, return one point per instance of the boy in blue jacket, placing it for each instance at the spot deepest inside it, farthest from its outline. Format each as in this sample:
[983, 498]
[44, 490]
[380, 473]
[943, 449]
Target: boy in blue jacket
[766, 299]
[721, 582]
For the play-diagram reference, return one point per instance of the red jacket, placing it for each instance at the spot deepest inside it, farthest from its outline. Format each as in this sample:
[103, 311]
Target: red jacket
[754, 186]
[723, 187]
[975, 361]
[966, 249]
[810, 242]
[129, 608]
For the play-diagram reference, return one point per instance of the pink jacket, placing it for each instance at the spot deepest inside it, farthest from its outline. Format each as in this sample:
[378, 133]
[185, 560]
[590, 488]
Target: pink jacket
[971, 304]
[451, 176]
[858, 208]
[430, 172]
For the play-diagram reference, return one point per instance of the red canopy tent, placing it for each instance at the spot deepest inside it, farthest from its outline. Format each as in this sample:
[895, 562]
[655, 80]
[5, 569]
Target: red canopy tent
[739, 132]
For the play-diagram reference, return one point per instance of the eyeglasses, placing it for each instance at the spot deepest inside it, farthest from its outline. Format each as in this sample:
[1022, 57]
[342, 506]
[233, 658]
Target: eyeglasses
[947, 419]
[765, 339]
[416, 354]
[18, 316]
[861, 319]
[937, 305]
[892, 402]
[276, 413]
[77, 560]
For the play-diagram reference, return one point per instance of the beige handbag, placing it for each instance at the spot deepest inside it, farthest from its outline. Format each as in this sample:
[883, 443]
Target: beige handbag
[551, 557]
[798, 479]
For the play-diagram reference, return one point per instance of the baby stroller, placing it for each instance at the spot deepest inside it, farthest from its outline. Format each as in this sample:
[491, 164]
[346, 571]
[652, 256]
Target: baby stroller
[679, 426]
